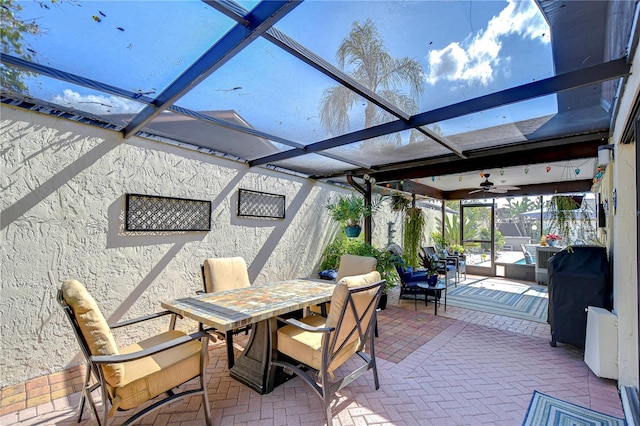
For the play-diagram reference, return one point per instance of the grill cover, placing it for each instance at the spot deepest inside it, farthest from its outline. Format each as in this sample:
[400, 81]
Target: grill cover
[576, 280]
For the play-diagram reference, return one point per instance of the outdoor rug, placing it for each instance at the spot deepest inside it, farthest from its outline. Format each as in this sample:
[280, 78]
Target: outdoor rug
[502, 297]
[548, 411]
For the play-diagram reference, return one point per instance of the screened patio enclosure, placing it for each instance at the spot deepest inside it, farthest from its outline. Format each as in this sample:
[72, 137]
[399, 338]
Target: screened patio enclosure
[420, 96]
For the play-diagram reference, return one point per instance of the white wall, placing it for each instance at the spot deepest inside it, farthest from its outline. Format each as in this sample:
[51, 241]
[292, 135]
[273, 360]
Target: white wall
[623, 237]
[63, 186]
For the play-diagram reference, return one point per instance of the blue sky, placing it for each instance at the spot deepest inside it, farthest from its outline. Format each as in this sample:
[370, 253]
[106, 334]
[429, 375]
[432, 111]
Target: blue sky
[466, 49]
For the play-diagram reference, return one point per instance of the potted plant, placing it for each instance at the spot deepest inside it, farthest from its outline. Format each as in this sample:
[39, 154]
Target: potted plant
[349, 211]
[430, 263]
[551, 239]
[457, 249]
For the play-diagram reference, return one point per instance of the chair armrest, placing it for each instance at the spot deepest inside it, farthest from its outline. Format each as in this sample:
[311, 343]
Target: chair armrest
[306, 327]
[144, 318]
[455, 259]
[110, 359]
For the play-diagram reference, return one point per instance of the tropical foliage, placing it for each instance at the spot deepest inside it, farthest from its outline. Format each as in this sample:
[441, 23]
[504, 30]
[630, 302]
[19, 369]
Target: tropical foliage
[514, 212]
[349, 210]
[342, 245]
[472, 221]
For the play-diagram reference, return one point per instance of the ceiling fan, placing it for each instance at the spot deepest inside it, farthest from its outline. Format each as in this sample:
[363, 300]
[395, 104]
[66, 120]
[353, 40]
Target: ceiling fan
[487, 186]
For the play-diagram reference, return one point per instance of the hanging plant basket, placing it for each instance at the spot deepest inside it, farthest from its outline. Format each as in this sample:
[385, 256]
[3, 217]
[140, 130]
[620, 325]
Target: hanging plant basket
[399, 202]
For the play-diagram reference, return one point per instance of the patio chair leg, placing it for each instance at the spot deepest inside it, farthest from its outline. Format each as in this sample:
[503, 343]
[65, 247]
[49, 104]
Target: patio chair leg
[87, 376]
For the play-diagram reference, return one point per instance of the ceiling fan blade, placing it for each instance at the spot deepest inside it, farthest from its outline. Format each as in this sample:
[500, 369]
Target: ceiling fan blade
[475, 191]
[507, 187]
[498, 190]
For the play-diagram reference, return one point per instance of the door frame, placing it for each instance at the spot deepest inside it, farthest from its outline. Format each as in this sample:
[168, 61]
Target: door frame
[481, 270]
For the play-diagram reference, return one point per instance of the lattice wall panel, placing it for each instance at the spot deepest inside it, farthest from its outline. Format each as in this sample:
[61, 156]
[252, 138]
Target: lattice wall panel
[151, 213]
[260, 204]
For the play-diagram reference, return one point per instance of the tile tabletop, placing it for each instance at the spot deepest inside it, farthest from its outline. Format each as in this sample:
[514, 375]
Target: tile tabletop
[230, 309]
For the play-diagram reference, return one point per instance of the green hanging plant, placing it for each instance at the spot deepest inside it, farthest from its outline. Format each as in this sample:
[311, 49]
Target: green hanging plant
[414, 223]
[399, 202]
[570, 219]
[349, 210]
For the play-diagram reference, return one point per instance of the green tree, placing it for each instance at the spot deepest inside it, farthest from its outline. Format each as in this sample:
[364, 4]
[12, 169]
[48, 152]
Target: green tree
[452, 224]
[485, 234]
[13, 30]
[513, 211]
[363, 55]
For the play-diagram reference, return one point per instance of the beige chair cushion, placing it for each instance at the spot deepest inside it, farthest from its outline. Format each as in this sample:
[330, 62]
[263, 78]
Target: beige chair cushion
[302, 345]
[148, 377]
[94, 327]
[355, 265]
[360, 280]
[306, 346]
[225, 273]
[361, 300]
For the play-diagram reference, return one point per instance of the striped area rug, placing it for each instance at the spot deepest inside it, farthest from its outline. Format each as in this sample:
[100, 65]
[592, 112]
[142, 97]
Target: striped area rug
[502, 297]
[545, 410]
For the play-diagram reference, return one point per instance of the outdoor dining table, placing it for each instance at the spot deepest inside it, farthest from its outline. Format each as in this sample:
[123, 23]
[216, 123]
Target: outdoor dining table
[258, 305]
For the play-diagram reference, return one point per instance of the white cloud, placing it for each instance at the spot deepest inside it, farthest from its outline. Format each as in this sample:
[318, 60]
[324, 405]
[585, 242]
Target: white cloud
[97, 104]
[476, 59]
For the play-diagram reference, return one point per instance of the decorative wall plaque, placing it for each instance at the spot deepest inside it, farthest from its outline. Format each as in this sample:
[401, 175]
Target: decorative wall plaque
[260, 204]
[153, 213]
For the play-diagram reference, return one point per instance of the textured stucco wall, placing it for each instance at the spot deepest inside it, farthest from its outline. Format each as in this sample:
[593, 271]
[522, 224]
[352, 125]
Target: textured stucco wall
[622, 225]
[62, 203]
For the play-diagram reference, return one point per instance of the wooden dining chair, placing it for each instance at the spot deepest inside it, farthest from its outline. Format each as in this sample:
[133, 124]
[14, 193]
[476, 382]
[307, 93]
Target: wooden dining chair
[319, 345]
[128, 377]
[226, 273]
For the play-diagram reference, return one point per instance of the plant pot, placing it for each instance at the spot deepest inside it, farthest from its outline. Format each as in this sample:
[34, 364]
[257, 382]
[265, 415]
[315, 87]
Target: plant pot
[383, 301]
[551, 243]
[352, 231]
[432, 280]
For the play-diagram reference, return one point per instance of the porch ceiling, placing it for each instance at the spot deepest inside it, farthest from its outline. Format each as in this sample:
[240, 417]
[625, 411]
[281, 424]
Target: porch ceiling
[222, 77]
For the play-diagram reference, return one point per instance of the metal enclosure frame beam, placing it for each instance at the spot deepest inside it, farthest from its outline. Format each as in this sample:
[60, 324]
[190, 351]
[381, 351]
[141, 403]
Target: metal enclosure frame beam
[571, 80]
[260, 19]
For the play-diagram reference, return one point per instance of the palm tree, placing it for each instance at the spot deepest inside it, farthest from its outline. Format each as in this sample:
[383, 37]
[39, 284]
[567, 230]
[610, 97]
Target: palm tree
[514, 210]
[367, 60]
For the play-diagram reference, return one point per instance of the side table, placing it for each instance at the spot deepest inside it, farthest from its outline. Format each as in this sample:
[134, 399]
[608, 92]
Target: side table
[438, 289]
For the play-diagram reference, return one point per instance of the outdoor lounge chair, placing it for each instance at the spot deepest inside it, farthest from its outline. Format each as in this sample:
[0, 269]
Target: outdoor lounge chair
[226, 273]
[409, 280]
[528, 259]
[319, 345]
[460, 262]
[130, 376]
[447, 267]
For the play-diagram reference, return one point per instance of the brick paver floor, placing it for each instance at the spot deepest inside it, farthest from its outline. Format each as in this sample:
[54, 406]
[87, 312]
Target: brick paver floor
[461, 367]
